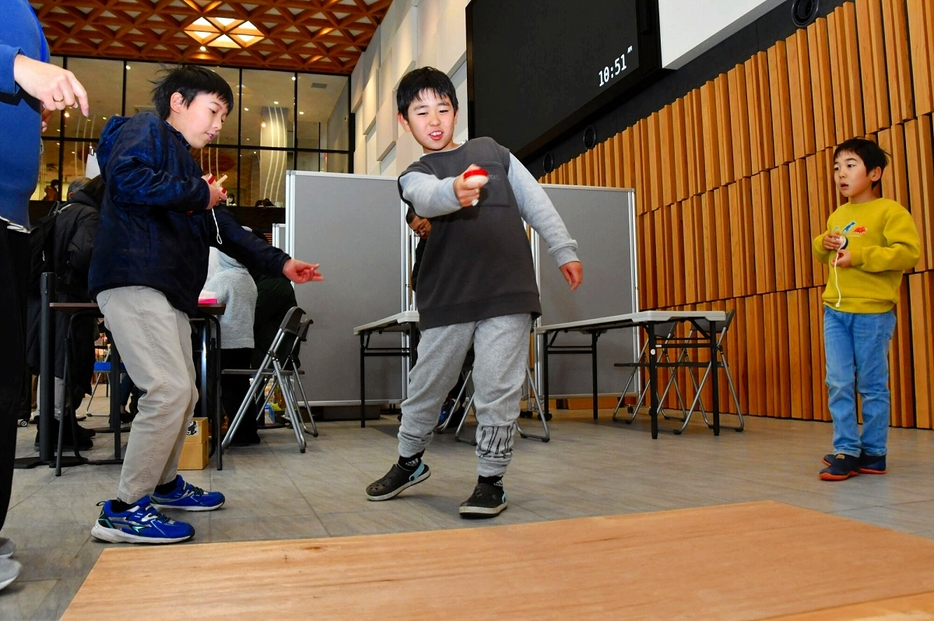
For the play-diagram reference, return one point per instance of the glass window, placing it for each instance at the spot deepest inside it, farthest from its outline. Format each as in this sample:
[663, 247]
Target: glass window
[103, 101]
[262, 176]
[139, 84]
[268, 102]
[74, 161]
[230, 134]
[220, 161]
[323, 162]
[310, 161]
[48, 170]
[323, 111]
[256, 146]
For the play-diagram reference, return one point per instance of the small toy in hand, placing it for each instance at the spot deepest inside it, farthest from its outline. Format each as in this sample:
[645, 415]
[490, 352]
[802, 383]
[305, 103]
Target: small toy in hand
[477, 172]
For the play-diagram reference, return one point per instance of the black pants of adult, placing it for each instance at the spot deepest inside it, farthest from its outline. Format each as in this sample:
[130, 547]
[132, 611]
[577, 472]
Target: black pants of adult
[234, 389]
[14, 270]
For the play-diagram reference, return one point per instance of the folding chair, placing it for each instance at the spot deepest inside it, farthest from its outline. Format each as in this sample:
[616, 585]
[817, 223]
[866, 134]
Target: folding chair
[530, 385]
[693, 341]
[102, 367]
[279, 368]
[668, 329]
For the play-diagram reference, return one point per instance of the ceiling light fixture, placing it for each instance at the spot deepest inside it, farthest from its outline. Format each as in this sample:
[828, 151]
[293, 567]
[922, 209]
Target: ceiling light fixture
[223, 32]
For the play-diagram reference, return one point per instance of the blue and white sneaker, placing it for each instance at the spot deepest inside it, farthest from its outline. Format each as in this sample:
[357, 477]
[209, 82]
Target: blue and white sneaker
[187, 497]
[141, 523]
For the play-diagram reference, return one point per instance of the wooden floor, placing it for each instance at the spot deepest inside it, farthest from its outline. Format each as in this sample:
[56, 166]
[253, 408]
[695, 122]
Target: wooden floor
[755, 560]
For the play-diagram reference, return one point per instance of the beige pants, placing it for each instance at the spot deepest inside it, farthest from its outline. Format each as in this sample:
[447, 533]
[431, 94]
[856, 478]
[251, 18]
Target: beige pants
[154, 341]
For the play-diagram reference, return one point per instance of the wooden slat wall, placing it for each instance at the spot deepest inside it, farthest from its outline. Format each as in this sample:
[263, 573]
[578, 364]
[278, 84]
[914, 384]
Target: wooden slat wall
[734, 180]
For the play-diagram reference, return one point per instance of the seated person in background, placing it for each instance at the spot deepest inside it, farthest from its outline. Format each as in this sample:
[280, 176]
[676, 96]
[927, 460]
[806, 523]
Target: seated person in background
[76, 184]
[421, 227]
[274, 297]
[73, 234]
[53, 190]
[234, 287]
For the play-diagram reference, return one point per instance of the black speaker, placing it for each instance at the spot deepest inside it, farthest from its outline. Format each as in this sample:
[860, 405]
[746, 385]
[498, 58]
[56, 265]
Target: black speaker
[803, 12]
[590, 137]
[548, 163]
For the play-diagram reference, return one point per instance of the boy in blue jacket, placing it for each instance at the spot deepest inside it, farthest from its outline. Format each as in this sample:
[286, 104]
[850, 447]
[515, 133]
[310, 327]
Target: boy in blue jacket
[159, 217]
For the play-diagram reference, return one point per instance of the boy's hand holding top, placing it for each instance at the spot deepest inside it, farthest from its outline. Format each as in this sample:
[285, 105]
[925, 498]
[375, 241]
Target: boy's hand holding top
[218, 192]
[467, 186]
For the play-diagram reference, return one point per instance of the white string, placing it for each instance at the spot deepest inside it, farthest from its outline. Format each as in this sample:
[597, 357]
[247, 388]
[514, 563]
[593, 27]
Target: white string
[836, 277]
[217, 231]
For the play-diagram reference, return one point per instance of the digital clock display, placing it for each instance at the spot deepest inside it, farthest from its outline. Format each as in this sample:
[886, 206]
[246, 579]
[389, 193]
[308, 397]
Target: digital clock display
[615, 69]
[537, 69]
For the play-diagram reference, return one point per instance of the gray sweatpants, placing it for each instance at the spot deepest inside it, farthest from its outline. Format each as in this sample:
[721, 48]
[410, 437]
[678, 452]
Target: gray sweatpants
[154, 340]
[501, 356]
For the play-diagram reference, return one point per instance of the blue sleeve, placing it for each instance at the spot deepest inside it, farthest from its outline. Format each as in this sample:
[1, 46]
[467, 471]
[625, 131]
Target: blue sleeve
[137, 175]
[7, 81]
[245, 247]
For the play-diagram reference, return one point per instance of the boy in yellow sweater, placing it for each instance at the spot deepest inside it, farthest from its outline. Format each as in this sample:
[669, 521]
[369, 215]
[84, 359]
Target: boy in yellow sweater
[868, 244]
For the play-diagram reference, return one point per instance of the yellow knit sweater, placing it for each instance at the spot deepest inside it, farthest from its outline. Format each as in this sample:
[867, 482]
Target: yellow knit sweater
[883, 242]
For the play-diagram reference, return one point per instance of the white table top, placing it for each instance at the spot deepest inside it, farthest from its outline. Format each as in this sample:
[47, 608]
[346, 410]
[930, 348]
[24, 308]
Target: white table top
[632, 320]
[399, 319]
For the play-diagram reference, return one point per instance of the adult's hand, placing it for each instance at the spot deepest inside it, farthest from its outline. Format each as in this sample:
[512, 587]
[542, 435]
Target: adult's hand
[300, 272]
[55, 87]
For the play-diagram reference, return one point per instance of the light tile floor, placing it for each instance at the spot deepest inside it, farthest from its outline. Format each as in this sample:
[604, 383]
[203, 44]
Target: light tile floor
[589, 468]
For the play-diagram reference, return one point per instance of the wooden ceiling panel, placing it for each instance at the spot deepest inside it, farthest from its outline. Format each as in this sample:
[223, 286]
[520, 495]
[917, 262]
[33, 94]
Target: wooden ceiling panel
[322, 36]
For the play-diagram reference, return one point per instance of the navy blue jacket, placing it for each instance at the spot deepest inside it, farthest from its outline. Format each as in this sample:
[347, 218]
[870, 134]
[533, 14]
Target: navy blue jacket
[155, 230]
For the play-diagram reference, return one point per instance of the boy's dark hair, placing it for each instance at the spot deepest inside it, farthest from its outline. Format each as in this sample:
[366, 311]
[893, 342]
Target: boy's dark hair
[418, 80]
[872, 154]
[190, 81]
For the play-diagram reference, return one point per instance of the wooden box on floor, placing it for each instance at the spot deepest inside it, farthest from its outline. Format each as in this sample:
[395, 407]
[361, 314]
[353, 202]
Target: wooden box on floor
[195, 452]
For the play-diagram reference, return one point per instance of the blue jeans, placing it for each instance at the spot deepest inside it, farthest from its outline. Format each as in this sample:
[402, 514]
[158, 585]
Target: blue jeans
[857, 348]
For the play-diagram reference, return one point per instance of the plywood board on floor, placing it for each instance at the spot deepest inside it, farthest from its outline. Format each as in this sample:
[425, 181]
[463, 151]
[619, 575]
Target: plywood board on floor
[758, 560]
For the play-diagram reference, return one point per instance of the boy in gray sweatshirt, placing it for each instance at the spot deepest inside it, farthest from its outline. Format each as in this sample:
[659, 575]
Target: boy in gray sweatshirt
[476, 285]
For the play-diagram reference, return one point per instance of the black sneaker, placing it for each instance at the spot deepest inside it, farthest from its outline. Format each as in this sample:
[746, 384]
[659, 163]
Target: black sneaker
[395, 481]
[486, 501]
[841, 467]
[868, 464]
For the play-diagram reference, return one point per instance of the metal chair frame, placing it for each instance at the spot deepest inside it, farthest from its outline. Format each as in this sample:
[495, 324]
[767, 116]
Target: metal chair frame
[279, 368]
[531, 394]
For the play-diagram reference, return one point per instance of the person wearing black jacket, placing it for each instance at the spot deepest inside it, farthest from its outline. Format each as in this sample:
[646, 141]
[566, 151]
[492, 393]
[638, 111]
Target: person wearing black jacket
[73, 233]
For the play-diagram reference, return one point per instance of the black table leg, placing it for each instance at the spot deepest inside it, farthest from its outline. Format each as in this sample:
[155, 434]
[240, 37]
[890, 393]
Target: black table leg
[363, 338]
[545, 374]
[653, 381]
[715, 384]
[212, 375]
[593, 362]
